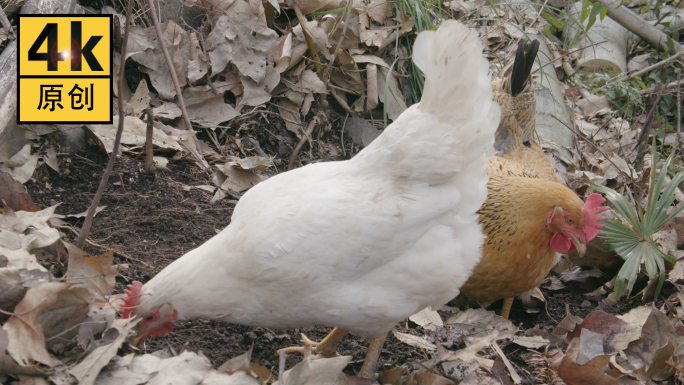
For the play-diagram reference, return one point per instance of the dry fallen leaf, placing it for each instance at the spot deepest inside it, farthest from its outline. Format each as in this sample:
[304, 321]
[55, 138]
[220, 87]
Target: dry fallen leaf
[238, 180]
[211, 111]
[239, 363]
[99, 319]
[96, 273]
[310, 6]
[14, 194]
[186, 368]
[591, 373]
[415, 341]
[254, 162]
[50, 158]
[89, 368]
[613, 329]
[655, 347]
[532, 342]
[243, 40]
[134, 134]
[318, 371]
[428, 319]
[38, 227]
[424, 377]
[26, 338]
[62, 318]
[391, 95]
[24, 172]
[309, 82]
[8, 365]
[290, 111]
[371, 87]
[10, 296]
[140, 100]
[480, 322]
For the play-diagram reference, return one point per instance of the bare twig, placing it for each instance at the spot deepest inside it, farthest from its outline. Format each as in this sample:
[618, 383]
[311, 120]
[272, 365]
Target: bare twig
[576, 132]
[6, 23]
[149, 156]
[541, 9]
[649, 68]
[679, 111]
[651, 90]
[174, 77]
[305, 137]
[634, 23]
[469, 351]
[514, 375]
[642, 143]
[342, 102]
[88, 222]
[307, 36]
[344, 125]
[99, 246]
[565, 55]
[338, 46]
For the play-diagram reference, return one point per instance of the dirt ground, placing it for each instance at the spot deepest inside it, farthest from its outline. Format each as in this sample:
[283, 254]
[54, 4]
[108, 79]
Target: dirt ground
[151, 220]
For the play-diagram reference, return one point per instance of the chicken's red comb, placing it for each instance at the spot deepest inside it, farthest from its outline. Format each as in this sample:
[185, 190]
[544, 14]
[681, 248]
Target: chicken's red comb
[131, 300]
[592, 208]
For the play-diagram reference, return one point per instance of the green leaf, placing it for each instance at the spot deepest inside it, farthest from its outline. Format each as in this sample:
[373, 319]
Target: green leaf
[596, 9]
[585, 10]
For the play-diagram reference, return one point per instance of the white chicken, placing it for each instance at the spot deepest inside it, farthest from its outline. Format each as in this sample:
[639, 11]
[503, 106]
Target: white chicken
[359, 244]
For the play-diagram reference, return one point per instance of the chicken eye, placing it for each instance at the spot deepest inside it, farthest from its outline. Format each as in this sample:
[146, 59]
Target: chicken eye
[570, 220]
[151, 317]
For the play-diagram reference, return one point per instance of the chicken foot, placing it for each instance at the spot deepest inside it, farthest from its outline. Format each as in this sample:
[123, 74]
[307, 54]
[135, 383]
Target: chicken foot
[370, 364]
[326, 348]
[506, 308]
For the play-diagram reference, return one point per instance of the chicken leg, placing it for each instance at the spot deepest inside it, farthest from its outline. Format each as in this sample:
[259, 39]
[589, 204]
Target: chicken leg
[506, 308]
[370, 364]
[326, 348]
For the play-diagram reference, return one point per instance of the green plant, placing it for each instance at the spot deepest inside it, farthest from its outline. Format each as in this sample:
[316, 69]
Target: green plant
[631, 237]
[589, 12]
[622, 96]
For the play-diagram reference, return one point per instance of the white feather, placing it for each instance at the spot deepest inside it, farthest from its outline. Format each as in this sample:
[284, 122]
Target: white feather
[364, 243]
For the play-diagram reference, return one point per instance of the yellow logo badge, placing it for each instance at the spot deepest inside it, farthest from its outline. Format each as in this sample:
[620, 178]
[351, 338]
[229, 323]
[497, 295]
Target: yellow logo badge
[64, 69]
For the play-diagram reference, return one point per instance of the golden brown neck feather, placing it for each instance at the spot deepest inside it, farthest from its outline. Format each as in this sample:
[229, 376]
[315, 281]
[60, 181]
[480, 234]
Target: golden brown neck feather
[521, 206]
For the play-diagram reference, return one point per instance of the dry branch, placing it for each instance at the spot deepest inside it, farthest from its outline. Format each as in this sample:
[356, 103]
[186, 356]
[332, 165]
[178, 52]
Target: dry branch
[305, 137]
[149, 156]
[633, 22]
[174, 77]
[652, 67]
[642, 143]
[87, 223]
[307, 36]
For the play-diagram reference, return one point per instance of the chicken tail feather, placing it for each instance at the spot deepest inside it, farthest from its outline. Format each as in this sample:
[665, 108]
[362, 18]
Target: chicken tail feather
[522, 67]
[457, 85]
[452, 129]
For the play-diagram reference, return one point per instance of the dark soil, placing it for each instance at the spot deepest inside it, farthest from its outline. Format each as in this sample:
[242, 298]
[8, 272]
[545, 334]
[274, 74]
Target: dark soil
[151, 220]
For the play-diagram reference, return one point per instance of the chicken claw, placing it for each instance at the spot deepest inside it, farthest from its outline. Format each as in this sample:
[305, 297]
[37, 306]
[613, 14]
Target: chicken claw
[326, 348]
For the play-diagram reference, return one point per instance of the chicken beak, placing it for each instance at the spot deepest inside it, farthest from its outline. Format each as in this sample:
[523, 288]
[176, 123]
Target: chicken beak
[140, 338]
[580, 246]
